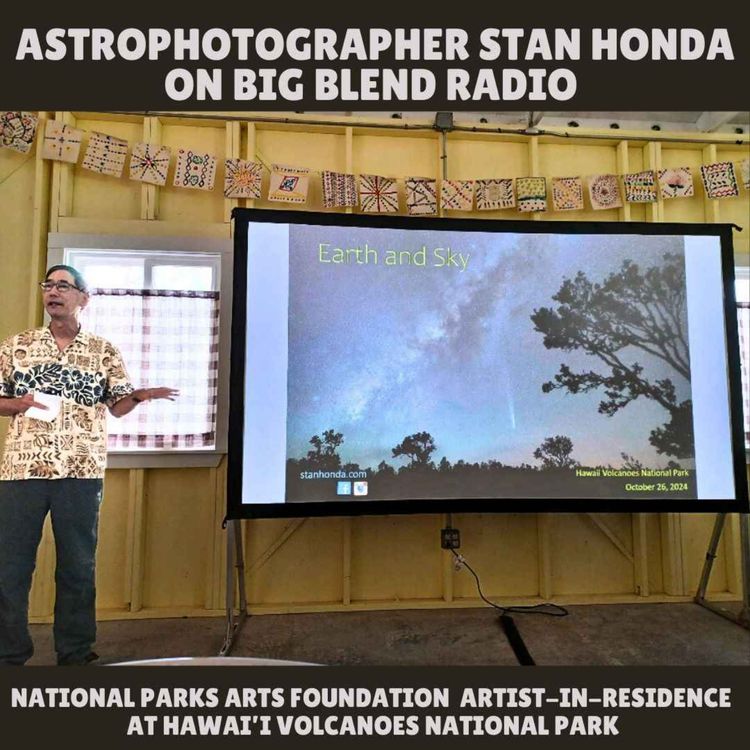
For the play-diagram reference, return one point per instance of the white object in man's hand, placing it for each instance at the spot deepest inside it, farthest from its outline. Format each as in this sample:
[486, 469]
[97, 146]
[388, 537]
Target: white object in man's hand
[46, 407]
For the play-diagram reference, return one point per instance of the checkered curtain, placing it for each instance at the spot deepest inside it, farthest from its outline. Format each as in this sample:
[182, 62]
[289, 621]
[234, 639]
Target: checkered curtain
[743, 323]
[167, 338]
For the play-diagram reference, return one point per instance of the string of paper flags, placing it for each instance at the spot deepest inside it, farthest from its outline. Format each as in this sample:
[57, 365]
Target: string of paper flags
[149, 163]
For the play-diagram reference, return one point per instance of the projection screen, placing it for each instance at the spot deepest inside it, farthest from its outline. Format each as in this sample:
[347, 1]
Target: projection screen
[403, 365]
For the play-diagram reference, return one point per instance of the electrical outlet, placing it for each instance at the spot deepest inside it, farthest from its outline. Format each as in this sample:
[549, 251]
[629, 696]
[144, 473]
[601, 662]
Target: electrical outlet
[450, 538]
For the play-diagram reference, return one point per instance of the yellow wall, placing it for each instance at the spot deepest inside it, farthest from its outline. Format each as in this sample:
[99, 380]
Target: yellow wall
[162, 547]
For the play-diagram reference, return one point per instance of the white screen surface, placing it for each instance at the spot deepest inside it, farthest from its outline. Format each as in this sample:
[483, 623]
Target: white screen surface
[381, 335]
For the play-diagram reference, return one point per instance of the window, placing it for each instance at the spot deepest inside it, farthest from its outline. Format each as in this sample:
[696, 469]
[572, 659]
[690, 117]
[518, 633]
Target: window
[162, 312]
[165, 303]
[742, 293]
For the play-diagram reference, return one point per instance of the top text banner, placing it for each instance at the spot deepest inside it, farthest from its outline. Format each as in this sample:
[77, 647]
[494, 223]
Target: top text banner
[470, 67]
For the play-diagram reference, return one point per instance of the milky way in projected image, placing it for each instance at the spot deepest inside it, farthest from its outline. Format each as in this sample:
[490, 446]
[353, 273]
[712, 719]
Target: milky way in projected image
[378, 352]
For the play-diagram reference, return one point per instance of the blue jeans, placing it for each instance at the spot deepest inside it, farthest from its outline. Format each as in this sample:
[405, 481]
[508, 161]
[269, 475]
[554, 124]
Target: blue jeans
[74, 508]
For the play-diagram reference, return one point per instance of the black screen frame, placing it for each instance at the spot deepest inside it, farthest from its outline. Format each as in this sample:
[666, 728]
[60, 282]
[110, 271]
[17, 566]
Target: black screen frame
[236, 509]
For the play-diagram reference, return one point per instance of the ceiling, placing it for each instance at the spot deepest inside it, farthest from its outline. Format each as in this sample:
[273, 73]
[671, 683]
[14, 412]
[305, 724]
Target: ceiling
[693, 122]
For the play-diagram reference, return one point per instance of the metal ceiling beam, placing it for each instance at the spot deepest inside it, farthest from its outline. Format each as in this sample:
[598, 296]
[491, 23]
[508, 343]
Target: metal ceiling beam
[710, 122]
[535, 118]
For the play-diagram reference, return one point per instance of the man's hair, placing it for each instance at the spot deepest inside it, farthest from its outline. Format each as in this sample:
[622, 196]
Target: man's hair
[80, 282]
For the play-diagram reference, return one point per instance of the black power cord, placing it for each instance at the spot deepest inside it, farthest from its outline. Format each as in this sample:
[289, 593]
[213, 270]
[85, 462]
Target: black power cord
[515, 640]
[548, 609]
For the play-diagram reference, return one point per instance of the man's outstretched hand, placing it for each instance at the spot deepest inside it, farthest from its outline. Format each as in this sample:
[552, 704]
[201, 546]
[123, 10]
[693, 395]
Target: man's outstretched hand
[152, 394]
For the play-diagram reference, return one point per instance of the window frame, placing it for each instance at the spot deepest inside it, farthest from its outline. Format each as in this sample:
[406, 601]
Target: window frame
[742, 274]
[58, 243]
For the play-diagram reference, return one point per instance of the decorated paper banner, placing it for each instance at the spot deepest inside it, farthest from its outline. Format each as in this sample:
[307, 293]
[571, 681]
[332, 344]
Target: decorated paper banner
[105, 154]
[194, 170]
[421, 196]
[149, 163]
[745, 169]
[61, 142]
[288, 184]
[339, 189]
[378, 195]
[640, 187]
[531, 193]
[720, 180]
[495, 194]
[604, 192]
[17, 130]
[242, 178]
[676, 182]
[457, 195]
[567, 193]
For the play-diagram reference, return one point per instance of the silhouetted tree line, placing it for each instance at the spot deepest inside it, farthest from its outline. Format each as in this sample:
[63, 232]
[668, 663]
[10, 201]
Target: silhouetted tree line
[554, 453]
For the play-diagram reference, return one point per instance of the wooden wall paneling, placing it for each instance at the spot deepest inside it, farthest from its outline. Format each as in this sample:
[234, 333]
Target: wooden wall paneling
[448, 560]
[295, 563]
[193, 207]
[232, 151]
[396, 559]
[61, 198]
[136, 535]
[442, 168]
[346, 561]
[349, 161]
[732, 553]
[696, 534]
[216, 576]
[39, 228]
[250, 155]
[672, 562]
[535, 171]
[473, 157]
[623, 167]
[544, 528]
[585, 561]
[113, 578]
[640, 554]
[558, 159]
[178, 516]
[503, 549]
[683, 155]
[408, 155]
[711, 210]
[600, 521]
[150, 193]
[20, 192]
[102, 197]
[652, 160]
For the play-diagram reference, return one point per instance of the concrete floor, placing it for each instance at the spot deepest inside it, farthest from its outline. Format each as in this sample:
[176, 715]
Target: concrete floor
[642, 634]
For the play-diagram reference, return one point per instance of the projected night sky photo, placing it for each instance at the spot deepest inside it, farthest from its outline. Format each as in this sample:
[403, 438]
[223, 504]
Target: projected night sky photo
[422, 354]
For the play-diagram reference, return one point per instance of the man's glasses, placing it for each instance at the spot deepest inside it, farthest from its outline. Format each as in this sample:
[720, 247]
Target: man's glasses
[61, 286]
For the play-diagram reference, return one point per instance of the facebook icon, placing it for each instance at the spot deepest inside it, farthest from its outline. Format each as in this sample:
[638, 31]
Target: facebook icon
[343, 488]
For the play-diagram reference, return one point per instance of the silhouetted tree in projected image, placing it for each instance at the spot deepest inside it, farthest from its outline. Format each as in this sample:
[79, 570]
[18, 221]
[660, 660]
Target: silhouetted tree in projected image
[323, 454]
[386, 470]
[555, 453]
[417, 447]
[628, 462]
[444, 465]
[632, 309]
